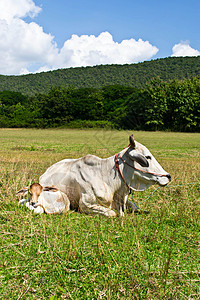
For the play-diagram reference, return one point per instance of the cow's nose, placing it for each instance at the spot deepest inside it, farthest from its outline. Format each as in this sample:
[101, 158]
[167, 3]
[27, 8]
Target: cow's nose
[169, 177]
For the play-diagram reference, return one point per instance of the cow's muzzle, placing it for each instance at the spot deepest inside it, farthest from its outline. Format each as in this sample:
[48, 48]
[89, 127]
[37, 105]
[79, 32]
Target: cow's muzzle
[164, 179]
[169, 177]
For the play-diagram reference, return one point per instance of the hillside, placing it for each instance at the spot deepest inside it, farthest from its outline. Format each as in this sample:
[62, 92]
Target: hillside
[134, 75]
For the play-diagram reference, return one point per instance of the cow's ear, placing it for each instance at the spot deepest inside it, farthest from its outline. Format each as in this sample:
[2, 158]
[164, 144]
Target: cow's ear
[22, 192]
[132, 141]
[139, 158]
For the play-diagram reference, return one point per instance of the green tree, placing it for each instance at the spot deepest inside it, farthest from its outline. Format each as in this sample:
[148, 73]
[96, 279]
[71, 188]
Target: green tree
[55, 107]
[156, 104]
[183, 105]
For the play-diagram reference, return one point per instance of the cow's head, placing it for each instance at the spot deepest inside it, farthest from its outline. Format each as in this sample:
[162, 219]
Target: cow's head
[147, 170]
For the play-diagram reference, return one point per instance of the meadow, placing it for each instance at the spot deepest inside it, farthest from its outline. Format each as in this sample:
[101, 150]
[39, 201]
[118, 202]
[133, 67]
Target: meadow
[76, 256]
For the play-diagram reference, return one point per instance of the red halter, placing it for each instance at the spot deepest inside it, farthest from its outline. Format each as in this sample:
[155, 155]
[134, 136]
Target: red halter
[120, 173]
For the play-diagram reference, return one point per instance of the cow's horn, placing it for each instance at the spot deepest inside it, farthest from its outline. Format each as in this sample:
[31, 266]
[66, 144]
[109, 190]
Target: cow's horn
[132, 141]
[140, 159]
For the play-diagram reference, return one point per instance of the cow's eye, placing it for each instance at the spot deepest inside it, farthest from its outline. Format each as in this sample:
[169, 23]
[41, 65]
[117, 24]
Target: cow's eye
[148, 157]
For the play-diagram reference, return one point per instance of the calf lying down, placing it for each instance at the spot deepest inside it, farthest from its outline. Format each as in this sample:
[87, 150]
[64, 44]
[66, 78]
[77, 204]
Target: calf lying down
[44, 199]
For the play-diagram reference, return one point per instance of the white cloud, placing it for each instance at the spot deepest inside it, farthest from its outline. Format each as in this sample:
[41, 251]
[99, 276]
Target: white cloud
[10, 9]
[23, 46]
[90, 50]
[184, 49]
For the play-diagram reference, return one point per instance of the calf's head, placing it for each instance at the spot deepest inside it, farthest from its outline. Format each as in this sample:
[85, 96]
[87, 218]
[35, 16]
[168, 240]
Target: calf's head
[34, 191]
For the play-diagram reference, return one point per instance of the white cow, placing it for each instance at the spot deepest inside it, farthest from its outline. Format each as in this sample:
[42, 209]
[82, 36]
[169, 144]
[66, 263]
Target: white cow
[101, 186]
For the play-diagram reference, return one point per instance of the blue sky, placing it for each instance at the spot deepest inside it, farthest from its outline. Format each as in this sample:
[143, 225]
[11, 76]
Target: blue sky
[48, 34]
[163, 23]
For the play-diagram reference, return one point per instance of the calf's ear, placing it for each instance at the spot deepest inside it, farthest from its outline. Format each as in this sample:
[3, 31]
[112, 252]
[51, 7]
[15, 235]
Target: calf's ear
[22, 192]
[139, 158]
[50, 189]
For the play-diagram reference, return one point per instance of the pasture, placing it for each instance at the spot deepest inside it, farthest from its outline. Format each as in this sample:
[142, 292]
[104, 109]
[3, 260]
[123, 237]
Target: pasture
[76, 256]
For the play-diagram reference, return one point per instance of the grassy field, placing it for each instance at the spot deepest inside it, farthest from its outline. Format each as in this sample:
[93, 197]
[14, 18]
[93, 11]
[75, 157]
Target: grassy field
[75, 256]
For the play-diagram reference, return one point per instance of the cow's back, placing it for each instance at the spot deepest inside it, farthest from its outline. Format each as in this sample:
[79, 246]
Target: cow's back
[71, 176]
[55, 174]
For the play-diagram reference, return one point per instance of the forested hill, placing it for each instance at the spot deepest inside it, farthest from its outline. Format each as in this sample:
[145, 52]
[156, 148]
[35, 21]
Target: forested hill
[134, 75]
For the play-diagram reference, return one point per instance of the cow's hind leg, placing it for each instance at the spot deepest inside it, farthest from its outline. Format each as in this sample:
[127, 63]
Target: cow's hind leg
[87, 205]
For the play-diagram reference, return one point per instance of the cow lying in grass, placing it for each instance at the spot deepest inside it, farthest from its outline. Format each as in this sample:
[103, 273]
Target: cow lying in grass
[98, 186]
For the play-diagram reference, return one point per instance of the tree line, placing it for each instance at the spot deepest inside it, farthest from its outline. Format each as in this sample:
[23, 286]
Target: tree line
[134, 75]
[162, 105]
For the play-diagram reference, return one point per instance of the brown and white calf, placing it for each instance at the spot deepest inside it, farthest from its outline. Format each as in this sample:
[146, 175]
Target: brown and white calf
[44, 199]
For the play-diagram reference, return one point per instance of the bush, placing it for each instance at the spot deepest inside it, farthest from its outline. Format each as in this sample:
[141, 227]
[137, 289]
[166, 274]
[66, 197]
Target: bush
[90, 124]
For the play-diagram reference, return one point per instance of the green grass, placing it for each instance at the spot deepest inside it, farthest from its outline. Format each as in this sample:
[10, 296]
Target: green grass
[75, 256]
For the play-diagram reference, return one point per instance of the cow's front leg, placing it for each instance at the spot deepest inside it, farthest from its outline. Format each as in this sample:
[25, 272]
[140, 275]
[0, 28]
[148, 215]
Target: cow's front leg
[89, 205]
[119, 203]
